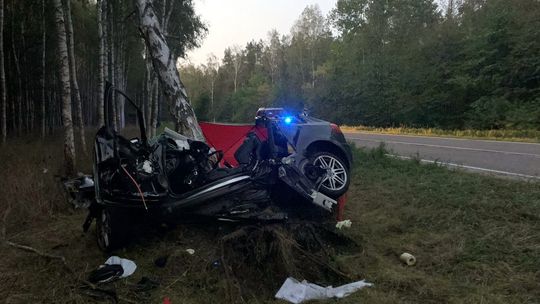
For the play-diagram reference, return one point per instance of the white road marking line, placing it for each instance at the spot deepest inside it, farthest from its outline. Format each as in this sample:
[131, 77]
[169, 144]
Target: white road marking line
[442, 137]
[466, 167]
[447, 147]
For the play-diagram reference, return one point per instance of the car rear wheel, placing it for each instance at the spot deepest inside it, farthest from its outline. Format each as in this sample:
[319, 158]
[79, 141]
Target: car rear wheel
[111, 229]
[337, 178]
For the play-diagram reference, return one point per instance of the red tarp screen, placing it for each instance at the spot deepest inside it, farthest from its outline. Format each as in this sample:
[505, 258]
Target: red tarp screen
[229, 137]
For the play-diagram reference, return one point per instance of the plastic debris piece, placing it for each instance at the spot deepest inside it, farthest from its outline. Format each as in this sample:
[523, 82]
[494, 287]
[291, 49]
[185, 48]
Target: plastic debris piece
[105, 274]
[127, 265]
[408, 259]
[296, 292]
[45, 170]
[147, 167]
[343, 224]
[190, 251]
[216, 263]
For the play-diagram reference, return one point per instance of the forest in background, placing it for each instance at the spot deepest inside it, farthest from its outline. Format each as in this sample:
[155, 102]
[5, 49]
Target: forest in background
[105, 37]
[448, 64]
[419, 63]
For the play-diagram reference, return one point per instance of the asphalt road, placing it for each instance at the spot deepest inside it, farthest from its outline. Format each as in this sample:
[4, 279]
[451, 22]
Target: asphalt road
[512, 159]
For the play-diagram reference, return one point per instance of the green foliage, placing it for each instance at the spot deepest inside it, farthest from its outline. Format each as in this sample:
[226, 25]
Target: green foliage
[202, 107]
[399, 62]
[249, 98]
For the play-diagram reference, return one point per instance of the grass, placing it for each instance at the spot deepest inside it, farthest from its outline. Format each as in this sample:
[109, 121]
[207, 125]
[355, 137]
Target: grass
[507, 135]
[476, 238]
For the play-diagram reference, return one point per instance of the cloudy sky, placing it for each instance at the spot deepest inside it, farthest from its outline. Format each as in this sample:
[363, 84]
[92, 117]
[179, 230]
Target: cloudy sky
[233, 22]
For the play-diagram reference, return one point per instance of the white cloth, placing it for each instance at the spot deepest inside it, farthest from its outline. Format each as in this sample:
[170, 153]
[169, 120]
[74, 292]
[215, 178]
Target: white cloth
[128, 265]
[296, 292]
[344, 224]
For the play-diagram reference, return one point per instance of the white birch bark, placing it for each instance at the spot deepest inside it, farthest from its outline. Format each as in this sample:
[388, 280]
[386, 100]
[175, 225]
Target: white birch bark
[73, 75]
[165, 66]
[111, 34]
[155, 106]
[101, 64]
[212, 69]
[63, 62]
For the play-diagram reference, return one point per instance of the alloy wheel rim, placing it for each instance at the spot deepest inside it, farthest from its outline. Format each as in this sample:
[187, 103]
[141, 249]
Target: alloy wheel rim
[336, 176]
[105, 229]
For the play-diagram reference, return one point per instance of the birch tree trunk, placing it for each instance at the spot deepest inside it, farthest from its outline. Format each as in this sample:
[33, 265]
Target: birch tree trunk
[63, 61]
[43, 51]
[155, 105]
[73, 75]
[165, 66]
[146, 94]
[3, 74]
[111, 34]
[101, 64]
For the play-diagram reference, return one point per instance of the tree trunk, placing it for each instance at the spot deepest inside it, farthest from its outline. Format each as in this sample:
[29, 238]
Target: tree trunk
[19, 81]
[165, 66]
[146, 92]
[43, 51]
[155, 105]
[3, 74]
[73, 74]
[212, 100]
[63, 61]
[24, 77]
[111, 33]
[101, 64]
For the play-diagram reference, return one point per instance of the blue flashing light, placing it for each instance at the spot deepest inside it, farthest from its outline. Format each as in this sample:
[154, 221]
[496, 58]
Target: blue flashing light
[287, 119]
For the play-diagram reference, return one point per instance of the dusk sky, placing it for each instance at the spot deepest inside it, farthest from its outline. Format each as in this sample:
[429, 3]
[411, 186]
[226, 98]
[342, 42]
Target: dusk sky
[239, 21]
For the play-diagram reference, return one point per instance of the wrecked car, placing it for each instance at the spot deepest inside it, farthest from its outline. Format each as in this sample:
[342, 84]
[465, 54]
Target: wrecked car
[308, 139]
[258, 175]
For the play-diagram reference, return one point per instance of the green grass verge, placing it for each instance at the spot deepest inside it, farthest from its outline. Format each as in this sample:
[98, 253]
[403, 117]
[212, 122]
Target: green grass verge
[476, 238]
[509, 135]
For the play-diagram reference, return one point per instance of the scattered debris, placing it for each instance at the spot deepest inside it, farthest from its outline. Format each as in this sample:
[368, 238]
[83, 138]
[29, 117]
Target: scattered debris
[114, 268]
[128, 265]
[343, 224]
[256, 258]
[297, 292]
[190, 251]
[81, 191]
[105, 274]
[408, 259]
[45, 170]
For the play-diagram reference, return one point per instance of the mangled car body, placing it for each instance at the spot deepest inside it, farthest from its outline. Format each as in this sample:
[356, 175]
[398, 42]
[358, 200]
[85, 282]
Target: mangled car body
[172, 177]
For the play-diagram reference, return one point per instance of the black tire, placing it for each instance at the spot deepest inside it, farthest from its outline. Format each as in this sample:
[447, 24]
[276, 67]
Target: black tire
[338, 183]
[111, 229]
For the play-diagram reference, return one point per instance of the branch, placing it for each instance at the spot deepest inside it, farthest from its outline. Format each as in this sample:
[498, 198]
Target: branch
[40, 253]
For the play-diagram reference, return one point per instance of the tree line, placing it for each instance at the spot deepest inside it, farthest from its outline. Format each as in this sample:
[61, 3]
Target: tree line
[421, 63]
[57, 55]
[447, 64]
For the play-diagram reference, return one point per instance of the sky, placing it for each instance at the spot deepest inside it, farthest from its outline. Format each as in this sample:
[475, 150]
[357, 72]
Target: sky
[236, 22]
